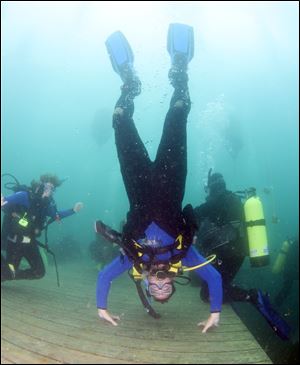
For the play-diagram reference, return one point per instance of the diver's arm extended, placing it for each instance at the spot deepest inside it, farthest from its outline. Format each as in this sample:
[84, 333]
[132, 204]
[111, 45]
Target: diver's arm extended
[60, 214]
[117, 267]
[214, 282]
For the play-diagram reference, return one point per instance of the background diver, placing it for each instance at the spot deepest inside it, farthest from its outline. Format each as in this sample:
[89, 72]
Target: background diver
[222, 232]
[287, 264]
[25, 215]
[158, 233]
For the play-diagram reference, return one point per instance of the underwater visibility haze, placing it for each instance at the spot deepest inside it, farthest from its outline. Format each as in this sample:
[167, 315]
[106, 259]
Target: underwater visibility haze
[58, 92]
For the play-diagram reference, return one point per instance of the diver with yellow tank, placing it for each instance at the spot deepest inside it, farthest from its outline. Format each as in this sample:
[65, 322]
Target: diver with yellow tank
[232, 226]
[222, 231]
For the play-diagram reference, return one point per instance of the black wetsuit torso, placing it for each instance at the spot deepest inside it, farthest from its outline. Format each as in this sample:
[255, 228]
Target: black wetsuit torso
[222, 232]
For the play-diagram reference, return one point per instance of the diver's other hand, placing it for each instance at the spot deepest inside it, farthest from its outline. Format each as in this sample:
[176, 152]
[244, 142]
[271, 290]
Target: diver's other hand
[212, 321]
[3, 201]
[77, 207]
[103, 314]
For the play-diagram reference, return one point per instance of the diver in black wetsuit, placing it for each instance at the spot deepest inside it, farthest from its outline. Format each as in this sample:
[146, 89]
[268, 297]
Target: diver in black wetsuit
[158, 233]
[222, 232]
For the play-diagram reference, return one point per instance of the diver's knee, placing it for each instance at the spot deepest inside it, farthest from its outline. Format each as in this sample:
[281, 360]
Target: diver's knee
[182, 107]
[118, 112]
[179, 104]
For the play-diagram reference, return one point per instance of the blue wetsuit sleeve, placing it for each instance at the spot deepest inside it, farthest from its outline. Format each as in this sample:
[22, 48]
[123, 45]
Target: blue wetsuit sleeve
[65, 213]
[117, 267]
[210, 275]
[54, 213]
[20, 198]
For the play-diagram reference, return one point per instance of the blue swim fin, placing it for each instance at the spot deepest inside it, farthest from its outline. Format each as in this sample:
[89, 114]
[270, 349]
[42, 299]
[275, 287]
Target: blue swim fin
[180, 44]
[278, 324]
[120, 53]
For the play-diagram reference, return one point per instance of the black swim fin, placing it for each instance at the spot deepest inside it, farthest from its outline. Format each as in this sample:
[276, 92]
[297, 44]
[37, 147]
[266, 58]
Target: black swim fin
[120, 53]
[278, 324]
[108, 233]
[180, 44]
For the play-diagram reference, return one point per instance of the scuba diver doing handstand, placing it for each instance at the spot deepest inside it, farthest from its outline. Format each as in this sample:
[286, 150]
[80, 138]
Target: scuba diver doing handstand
[156, 240]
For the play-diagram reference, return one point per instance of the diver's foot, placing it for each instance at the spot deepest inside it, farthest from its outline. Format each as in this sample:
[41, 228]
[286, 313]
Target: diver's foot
[132, 84]
[132, 87]
[127, 72]
[12, 271]
[178, 77]
[180, 62]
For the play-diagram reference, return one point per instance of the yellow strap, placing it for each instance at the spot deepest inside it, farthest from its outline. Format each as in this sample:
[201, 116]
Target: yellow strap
[175, 267]
[178, 266]
[209, 260]
[136, 275]
[137, 245]
[179, 239]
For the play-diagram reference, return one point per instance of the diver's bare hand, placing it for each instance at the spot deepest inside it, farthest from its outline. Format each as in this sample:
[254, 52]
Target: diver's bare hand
[77, 207]
[212, 321]
[103, 314]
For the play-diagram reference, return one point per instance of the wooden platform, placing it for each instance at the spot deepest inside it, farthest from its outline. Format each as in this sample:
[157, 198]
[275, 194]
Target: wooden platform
[44, 324]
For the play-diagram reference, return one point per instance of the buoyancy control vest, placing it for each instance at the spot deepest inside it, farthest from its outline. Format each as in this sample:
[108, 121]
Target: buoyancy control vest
[20, 221]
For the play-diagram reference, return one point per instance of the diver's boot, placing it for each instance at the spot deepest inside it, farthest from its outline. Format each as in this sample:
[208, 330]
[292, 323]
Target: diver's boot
[132, 84]
[179, 80]
[178, 72]
[180, 45]
[129, 90]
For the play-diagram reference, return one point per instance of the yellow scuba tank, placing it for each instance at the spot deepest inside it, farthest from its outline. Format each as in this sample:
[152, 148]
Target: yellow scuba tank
[281, 258]
[256, 230]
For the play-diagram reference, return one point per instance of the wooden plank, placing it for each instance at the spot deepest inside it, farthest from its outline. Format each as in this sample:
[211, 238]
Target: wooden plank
[61, 324]
[100, 328]
[81, 307]
[22, 355]
[55, 350]
[44, 328]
